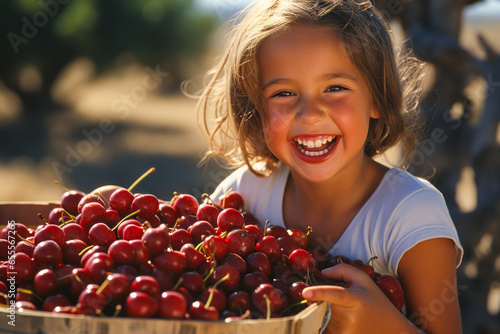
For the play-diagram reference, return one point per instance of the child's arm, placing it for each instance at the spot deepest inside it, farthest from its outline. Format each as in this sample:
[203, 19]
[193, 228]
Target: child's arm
[428, 275]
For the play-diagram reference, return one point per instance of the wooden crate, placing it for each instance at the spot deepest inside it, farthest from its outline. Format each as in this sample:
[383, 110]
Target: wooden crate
[307, 321]
[25, 212]
[37, 322]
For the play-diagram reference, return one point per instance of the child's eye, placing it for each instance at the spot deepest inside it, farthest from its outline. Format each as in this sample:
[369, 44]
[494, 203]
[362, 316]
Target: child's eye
[335, 88]
[284, 93]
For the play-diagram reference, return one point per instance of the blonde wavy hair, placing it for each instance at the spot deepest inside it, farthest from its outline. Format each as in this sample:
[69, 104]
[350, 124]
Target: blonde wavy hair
[229, 108]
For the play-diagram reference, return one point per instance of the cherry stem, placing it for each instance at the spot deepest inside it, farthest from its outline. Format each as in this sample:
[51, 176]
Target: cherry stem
[268, 307]
[23, 239]
[210, 272]
[29, 292]
[309, 230]
[118, 309]
[210, 297]
[73, 218]
[152, 169]
[79, 280]
[43, 219]
[85, 250]
[265, 227]
[286, 309]
[199, 246]
[178, 284]
[125, 218]
[177, 221]
[63, 277]
[370, 261]
[174, 197]
[102, 287]
[209, 199]
[60, 185]
[225, 195]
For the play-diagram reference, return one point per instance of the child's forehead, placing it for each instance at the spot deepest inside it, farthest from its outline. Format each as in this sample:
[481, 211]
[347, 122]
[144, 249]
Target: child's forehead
[299, 36]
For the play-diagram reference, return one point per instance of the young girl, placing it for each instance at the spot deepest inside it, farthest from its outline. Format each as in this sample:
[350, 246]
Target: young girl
[307, 93]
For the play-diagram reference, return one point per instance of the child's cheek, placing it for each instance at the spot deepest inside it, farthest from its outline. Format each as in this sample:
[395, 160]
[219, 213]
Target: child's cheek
[279, 120]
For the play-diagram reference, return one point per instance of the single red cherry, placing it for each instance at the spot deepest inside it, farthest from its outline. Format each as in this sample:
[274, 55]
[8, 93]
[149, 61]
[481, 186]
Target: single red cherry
[92, 213]
[200, 230]
[218, 298]
[185, 204]
[141, 305]
[270, 246]
[258, 261]
[208, 212]
[167, 214]
[238, 302]
[215, 246]
[276, 231]
[301, 261]
[122, 252]
[232, 200]
[364, 267]
[147, 204]
[90, 198]
[50, 232]
[179, 238]
[392, 288]
[121, 201]
[173, 305]
[193, 257]
[255, 231]
[174, 261]
[156, 239]
[229, 219]
[75, 231]
[240, 242]
[147, 284]
[192, 281]
[267, 291]
[47, 253]
[100, 234]
[70, 200]
[197, 310]
[234, 260]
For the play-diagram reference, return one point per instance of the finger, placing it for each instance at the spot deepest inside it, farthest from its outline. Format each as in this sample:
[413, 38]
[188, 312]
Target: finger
[335, 295]
[347, 273]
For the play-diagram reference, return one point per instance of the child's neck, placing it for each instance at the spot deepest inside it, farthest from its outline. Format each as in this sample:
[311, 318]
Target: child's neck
[329, 207]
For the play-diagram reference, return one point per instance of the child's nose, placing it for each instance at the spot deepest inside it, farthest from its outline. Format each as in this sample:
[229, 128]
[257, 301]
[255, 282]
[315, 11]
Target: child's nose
[310, 111]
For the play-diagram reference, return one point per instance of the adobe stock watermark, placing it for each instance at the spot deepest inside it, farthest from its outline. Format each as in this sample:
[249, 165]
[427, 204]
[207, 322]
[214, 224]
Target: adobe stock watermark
[122, 107]
[425, 315]
[30, 27]
[11, 279]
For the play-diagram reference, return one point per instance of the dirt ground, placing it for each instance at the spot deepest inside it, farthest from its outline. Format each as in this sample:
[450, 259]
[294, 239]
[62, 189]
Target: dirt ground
[113, 129]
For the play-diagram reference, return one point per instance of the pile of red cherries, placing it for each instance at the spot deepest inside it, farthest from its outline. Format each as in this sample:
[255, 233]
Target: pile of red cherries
[131, 254]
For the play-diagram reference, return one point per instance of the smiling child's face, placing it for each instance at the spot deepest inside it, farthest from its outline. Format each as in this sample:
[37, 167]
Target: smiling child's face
[317, 103]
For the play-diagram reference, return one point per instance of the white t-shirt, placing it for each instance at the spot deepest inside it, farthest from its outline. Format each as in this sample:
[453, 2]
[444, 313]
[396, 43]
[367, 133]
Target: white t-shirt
[403, 211]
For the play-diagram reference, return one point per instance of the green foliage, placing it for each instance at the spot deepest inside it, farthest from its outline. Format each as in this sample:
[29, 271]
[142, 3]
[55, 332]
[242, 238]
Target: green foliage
[48, 34]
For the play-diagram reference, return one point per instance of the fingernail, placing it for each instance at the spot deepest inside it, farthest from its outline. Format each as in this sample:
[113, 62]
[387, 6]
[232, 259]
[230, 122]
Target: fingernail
[307, 294]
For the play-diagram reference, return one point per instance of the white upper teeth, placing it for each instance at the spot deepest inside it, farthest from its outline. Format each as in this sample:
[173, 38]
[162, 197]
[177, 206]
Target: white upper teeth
[310, 143]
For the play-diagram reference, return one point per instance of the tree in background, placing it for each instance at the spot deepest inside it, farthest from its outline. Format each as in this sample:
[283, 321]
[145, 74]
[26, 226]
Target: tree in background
[41, 37]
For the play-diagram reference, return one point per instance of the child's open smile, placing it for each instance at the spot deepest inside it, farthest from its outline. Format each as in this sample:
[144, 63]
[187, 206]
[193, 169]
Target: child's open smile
[317, 103]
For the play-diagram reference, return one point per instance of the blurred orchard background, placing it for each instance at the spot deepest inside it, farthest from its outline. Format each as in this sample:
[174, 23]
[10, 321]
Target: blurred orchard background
[90, 94]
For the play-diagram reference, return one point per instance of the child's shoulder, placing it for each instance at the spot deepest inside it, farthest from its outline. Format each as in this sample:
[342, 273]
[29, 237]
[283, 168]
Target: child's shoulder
[400, 182]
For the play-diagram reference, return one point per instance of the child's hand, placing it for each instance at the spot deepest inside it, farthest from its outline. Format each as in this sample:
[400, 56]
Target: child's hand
[361, 307]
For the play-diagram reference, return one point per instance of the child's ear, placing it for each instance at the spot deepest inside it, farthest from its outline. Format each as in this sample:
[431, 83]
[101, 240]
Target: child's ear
[374, 113]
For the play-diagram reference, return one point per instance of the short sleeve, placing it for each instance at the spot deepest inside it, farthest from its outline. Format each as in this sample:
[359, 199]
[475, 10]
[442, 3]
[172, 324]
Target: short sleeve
[421, 216]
